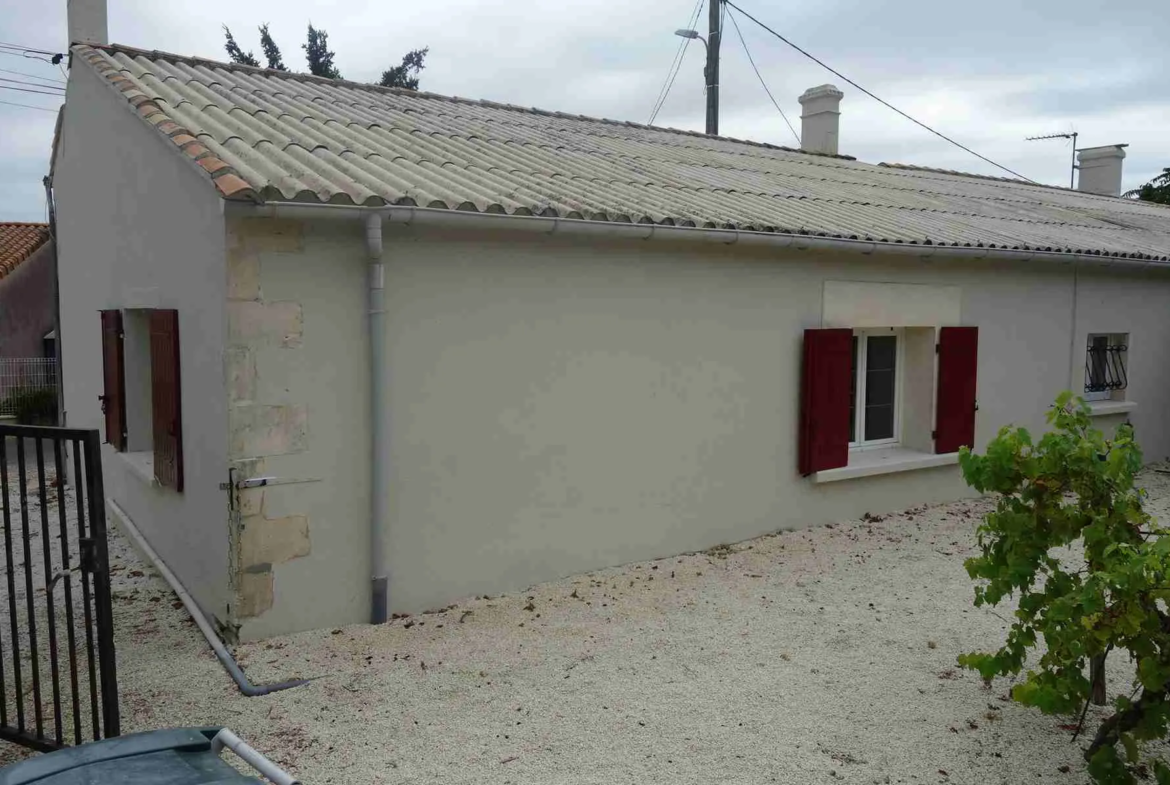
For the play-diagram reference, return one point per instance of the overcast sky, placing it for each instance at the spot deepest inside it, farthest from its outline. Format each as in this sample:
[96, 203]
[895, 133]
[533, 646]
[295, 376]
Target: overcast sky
[987, 73]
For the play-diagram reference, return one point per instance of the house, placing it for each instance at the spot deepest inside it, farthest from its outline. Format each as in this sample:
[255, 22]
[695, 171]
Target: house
[364, 351]
[28, 364]
[26, 290]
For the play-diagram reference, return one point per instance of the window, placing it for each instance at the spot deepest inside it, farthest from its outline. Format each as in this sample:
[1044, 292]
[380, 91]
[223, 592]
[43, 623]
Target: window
[141, 399]
[1105, 367]
[875, 388]
[882, 394]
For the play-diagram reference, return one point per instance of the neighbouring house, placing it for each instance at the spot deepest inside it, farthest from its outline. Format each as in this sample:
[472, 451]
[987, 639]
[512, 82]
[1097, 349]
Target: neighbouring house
[26, 290]
[27, 338]
[364, 350]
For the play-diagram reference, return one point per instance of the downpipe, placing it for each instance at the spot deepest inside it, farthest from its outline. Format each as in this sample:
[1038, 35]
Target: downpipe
[222, 654]
[379, 447]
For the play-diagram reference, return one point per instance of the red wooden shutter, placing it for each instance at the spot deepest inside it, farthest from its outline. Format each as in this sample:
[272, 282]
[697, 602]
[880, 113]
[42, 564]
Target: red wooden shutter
[165, 399]
[958, 355]
[824, 400]
[113, 395]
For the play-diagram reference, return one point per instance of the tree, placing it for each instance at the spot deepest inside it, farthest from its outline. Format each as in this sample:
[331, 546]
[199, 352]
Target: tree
[406, 74]
[1074, 492]
[1156, 190]
[318, 54]
[320, 58]
[238, 55]
[271, 51]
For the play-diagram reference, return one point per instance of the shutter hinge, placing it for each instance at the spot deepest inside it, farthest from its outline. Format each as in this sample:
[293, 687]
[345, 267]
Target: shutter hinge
[936, 348]
[934, 434]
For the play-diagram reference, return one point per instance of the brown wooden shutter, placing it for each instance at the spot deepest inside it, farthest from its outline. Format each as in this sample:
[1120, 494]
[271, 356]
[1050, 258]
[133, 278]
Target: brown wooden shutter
[958, 356]
[824, 400]
[113, 395]
[165, 399]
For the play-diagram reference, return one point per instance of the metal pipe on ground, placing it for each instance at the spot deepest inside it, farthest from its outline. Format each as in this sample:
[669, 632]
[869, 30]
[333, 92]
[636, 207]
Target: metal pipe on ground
[225, 658]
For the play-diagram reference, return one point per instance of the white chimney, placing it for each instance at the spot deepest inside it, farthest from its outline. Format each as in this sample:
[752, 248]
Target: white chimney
[820, 119]
[87, 22]
[1100, 169]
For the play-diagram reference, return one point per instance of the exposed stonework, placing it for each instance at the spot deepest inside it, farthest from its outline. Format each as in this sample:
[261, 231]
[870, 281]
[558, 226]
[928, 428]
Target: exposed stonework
[240, 366]
[255, 591]
[258, 427]
[254, 323]
[273, 540]
[257, 430]
[243, 273]
[274, 235]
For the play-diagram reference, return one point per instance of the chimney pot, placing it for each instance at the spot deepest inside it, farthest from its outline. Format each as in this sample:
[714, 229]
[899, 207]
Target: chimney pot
[820, 119]
[87, 22]
[1100, 169]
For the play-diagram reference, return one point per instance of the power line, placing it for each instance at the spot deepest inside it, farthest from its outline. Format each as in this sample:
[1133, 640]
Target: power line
[26, 90]
[886, 104]
[28, 106]
[31, 84]
[32, 76]
[22, 48]
[759, 76]
[675, 65]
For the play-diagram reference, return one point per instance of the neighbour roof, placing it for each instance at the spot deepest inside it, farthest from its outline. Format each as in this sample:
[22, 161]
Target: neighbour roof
[274, 136]
[19, 241]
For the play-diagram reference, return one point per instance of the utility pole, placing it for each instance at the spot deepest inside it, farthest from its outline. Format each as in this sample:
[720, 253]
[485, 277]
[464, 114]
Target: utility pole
[712, 70]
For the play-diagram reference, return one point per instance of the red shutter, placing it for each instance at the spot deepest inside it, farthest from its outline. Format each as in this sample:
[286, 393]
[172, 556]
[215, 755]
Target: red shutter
[824, 400]
[165, 399]
[113, 395]
[958, 356]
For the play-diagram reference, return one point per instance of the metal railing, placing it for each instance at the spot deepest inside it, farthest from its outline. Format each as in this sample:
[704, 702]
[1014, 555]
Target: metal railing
[25, 376]
[1105, 368]
[55, 591]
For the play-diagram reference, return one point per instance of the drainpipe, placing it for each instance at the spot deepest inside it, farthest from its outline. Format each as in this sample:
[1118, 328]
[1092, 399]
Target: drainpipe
[225, 658]
[379, 458]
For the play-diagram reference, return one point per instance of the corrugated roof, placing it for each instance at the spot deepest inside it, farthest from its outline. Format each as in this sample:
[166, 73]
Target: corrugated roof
[19, 241]
[273, 136]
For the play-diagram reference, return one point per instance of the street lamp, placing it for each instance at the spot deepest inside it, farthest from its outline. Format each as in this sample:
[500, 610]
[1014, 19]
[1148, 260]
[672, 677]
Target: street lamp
[711, 69]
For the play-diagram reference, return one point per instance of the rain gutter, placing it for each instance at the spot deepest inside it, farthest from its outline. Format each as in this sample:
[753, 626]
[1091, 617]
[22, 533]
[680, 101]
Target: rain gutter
[575, 227]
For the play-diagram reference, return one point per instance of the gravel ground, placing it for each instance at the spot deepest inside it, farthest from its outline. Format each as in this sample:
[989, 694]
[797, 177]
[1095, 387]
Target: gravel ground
[820, 656]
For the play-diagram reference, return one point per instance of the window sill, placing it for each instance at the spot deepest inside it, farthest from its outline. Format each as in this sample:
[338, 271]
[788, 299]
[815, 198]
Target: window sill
[869, 463]
[1102, 408]
[140, 464]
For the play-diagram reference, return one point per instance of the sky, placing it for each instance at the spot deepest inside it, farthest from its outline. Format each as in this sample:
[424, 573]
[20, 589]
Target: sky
[986, 73]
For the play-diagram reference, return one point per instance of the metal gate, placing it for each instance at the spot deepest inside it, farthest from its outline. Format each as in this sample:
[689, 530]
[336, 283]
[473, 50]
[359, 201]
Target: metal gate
[58, 680]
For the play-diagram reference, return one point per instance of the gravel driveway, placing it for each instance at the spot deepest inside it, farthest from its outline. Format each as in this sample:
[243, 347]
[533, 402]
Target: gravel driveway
[821, 656]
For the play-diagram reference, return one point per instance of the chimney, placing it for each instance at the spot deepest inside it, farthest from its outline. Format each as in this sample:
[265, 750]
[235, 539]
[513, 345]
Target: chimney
[1100, 169]
[87, 22]
[820, 119]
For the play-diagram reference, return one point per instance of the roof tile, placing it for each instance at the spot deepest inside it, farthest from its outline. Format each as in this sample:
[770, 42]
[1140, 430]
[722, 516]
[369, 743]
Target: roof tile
[268, 135]
[19, 241]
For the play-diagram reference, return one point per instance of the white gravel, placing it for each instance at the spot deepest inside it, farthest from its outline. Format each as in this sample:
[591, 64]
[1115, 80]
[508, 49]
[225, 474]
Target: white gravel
[819, 656]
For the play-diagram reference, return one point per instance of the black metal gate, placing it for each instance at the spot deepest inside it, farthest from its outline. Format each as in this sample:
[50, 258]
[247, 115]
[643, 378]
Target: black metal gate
[58, 679]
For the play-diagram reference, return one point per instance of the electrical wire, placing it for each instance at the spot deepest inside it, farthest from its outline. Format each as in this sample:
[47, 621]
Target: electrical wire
[884, 103]
[28, 106]
[675, 65]
[31, 84]
[759, 76]
[32, 76]
[26, 90]
[22, 48]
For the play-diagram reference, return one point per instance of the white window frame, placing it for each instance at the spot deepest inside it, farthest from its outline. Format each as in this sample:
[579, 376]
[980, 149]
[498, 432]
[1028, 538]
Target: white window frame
[856, 444]
[1112, 339]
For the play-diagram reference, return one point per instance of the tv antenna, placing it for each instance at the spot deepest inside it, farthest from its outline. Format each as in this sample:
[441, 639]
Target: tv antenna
[1072, 135]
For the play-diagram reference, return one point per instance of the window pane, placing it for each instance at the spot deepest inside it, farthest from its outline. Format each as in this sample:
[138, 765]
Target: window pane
[853, 394]
[880, 356]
